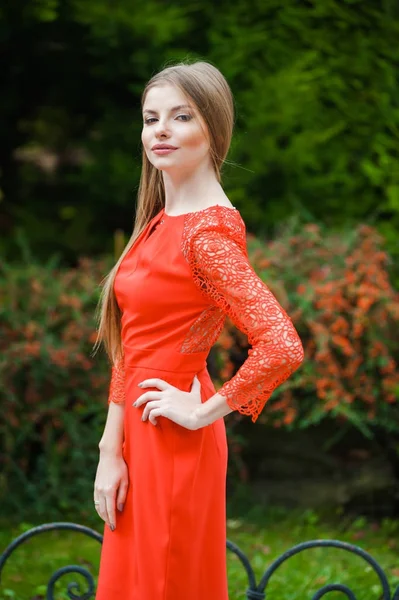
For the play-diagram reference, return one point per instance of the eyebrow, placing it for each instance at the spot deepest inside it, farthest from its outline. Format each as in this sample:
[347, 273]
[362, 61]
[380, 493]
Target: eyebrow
[154, 112]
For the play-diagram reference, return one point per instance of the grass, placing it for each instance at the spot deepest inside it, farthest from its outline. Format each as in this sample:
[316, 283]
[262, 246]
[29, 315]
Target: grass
[263, 534]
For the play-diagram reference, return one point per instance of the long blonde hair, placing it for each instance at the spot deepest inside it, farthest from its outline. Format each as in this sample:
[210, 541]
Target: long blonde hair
[204, 84]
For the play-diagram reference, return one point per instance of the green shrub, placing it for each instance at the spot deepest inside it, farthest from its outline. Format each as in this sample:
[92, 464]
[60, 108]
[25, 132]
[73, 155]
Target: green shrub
[334, 285]
[52, 391]
[337, 290]
[315, 86]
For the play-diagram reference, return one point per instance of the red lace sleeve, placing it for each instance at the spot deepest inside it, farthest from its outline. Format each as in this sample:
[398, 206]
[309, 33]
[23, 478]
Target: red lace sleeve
[219, 261]
[117, 384]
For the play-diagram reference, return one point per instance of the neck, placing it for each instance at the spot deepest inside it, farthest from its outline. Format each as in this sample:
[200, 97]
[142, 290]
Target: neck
[187, 191]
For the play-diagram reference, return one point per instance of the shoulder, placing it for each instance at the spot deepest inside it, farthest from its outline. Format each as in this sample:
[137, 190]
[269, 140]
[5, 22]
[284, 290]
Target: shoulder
[217, 217]
[214, 222]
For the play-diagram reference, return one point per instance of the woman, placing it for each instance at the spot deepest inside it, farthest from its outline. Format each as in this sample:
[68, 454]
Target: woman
[160, 483]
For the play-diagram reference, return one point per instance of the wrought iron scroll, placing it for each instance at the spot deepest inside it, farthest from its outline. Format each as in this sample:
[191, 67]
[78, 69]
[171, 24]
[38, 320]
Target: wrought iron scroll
[73, 588]
[254, 591]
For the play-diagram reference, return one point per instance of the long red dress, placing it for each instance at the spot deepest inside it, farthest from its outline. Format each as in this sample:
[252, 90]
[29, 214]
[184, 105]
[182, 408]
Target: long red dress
[175, 286]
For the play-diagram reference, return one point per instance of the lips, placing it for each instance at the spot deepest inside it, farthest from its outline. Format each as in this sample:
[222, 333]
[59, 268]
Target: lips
[163, 147]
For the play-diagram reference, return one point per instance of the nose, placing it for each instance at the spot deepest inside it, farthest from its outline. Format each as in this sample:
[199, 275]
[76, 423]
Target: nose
[161, 129]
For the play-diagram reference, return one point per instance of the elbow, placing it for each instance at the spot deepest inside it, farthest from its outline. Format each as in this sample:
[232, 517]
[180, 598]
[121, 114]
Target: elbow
[283, 355]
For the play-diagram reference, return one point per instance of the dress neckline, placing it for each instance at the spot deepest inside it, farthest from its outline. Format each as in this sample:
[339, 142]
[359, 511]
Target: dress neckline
[196, 212]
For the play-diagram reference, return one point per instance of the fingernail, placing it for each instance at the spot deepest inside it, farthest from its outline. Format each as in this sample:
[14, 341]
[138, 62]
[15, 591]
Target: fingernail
[120, 507]
[112, 527]
[139, 384]
[134, 404]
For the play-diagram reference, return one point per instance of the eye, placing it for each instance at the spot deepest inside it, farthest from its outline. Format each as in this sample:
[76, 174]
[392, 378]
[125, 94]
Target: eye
[184, 117]
[149, 120]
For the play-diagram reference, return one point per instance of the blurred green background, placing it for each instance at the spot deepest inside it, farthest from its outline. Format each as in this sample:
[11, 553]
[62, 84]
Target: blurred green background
[316, 91]
[313, 169]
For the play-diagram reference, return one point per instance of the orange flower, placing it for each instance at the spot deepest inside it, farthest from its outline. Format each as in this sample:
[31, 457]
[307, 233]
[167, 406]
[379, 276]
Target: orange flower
[32, 349]
[340, 325]
[331, 404]
[93, 337]
[358, 329]
[390, 398]
[390, 367]
[312, 228]
[301, 289]
[344, 344]
[350, 277]
[352, 367]
[225, 341]
[59, 357]
[289, 416]
[365, 303]
[264, 263]
[226, 372]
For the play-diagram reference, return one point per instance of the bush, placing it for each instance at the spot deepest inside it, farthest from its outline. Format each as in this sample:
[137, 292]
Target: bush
[335, 286]
[52, 391]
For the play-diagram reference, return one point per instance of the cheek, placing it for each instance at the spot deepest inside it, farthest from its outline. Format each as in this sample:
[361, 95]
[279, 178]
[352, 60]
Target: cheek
[144, 137]
[195, 140]
[146, 141]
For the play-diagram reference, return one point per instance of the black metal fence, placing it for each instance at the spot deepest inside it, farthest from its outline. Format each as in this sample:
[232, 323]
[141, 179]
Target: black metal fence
[255, 591]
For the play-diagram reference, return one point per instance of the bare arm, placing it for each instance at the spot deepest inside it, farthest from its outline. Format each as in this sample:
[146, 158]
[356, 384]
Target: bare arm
[112, 438]
[112, 479]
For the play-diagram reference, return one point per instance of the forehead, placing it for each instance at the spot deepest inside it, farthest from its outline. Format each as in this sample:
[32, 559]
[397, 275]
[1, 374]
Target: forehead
[164, 97]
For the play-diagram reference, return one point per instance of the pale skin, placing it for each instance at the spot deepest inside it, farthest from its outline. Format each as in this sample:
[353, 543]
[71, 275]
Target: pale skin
[190, 185]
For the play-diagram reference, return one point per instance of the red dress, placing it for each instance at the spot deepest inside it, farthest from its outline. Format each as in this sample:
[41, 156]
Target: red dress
[174, 287]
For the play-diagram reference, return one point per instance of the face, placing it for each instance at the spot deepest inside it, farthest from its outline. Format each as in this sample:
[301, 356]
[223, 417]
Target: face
[174, 134]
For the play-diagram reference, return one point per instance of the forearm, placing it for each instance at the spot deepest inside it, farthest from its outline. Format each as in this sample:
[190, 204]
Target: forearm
[214, 408]
[112, 438]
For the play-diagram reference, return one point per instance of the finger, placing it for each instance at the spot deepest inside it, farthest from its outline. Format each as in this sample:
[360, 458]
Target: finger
[122, 492]
[159, 383]
[110, 503]
[156, 412]
[196, 384]
[148, 408]
[155, 395]
[101, 509]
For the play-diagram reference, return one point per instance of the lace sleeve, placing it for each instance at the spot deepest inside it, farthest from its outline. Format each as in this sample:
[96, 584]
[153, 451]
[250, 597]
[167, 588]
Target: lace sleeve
[117, 384]
[220, 266]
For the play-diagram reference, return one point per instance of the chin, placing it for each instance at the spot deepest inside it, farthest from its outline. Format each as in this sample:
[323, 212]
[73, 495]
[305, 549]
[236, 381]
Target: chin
[161, 166]
[162, 160]
[166, 165]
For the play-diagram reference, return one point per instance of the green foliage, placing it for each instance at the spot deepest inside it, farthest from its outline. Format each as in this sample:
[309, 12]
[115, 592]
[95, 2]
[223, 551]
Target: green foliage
[337, 290]
[52, 392]
[317, 112]
[335, 287]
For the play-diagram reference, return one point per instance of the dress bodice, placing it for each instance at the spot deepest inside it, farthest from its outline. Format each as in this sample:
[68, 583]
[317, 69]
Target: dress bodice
[176, 285]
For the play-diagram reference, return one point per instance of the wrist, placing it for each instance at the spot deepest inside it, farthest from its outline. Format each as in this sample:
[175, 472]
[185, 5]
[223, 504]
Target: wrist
[213, 409]
[197, 419]
[107, 449]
